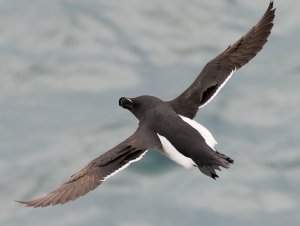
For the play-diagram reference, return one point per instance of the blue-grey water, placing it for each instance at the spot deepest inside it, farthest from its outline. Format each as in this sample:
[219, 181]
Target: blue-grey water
[65, 63]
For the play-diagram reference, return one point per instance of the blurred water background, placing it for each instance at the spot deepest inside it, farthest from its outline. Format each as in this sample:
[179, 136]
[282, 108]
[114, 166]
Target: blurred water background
[65, 63]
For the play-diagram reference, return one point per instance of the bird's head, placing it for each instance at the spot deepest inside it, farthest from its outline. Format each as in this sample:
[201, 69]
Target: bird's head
[138, 105]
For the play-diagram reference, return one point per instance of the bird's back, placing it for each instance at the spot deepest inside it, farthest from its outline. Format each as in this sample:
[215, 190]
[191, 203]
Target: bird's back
[186, 139]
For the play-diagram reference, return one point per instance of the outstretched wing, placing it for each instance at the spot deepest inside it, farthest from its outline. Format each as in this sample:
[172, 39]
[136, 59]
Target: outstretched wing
[217, 72]
[101, 168]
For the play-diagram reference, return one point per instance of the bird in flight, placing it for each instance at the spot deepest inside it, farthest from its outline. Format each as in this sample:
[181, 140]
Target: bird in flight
[168, 126]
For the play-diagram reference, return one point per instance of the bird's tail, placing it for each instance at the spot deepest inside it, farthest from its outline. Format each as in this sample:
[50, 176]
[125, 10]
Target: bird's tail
[219, 160]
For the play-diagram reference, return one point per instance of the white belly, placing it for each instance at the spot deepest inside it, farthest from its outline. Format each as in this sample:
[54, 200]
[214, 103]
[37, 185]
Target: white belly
[171, 152]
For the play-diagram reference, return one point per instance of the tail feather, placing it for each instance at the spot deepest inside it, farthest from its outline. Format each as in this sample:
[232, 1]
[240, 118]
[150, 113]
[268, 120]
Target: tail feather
[228, 159]
[220, 160]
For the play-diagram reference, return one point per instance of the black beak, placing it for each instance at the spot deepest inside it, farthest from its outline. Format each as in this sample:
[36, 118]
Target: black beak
[125, 103]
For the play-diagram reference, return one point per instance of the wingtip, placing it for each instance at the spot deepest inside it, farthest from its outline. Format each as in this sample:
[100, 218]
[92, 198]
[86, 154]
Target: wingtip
[35, 205]
[271, 5]
[22, 202]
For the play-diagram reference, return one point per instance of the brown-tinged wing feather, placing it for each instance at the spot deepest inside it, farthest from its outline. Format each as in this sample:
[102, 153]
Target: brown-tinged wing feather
[217, 71]
[106, 165]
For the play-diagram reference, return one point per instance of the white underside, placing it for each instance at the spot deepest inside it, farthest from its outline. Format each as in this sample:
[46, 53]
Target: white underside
[172, 153]
[124, 166]
[218, 90]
